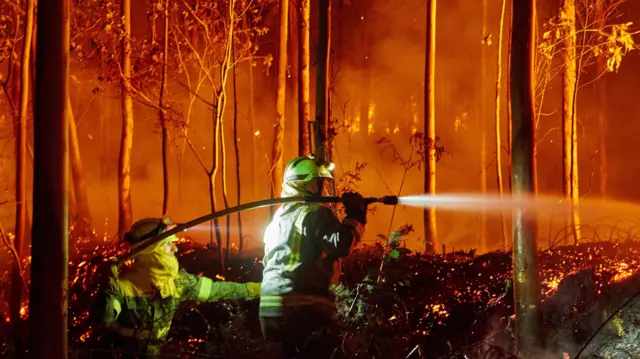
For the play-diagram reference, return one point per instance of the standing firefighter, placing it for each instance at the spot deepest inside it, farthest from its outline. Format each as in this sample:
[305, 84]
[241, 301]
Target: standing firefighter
[138, 305]
[301, 245]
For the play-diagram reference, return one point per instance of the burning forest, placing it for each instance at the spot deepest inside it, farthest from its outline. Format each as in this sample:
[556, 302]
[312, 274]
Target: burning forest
[319, 179]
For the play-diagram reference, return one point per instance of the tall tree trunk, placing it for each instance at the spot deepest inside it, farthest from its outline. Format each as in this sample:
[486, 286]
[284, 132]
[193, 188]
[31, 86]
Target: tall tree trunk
[482, 124]
[126, 139]
[236, 139]
[431, 234]
[252, 115]
[221, 100]
[49, 266]
[162, 114]
[508, 98]
[304, 114]
[82, 220]
[277, 165]
[321, 130]
[254, 125]
[602, 108]
[503, 221]
[525, 266]
[569, 121]
[21, 178]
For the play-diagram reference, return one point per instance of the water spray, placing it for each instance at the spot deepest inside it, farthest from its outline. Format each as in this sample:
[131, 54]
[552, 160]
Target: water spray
[386, 200]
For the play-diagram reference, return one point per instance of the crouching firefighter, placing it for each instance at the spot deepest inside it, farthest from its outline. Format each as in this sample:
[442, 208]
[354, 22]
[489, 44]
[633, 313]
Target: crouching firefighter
[301, 244]
[137, 306]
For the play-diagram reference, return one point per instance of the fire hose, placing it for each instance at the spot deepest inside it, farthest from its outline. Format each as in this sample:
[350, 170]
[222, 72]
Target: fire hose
[387, 200]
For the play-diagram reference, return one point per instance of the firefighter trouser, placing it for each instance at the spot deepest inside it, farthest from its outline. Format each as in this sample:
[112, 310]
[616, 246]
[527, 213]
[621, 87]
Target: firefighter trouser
[291, 331]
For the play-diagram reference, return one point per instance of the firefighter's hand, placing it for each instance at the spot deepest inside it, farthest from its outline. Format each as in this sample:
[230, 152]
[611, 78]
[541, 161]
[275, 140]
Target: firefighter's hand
[355, 206]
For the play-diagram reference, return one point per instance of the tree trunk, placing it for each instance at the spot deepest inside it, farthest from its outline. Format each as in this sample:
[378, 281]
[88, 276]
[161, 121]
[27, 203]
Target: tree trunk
[82, 221]
[219, 133]
[21, 178]
[254, 125]
[252, 115]
[126, 139]
[503, 221]
[525, 267]
[236, 139]
[321, 125]
[569, 125]
[431, 234]
[304, 114]
[214, 225]
[162, 114]
[49, 266]
[602, 108]
[277, 164]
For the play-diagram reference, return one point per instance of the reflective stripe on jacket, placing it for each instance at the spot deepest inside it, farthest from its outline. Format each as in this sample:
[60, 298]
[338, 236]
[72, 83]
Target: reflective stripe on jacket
[301, 244]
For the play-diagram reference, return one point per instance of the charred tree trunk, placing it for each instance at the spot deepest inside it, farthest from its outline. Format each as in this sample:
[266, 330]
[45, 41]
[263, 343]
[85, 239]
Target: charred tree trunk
[525, 266]
[162, 114]
[304, 114]
[482, 124]
[503, 221]
[126, 139]
[237, 151]
[82, 221]
[277, 165]
[49, 266]
[602, 108]
[569, 120]
[21, 178]
[431, 234]
[321, 125]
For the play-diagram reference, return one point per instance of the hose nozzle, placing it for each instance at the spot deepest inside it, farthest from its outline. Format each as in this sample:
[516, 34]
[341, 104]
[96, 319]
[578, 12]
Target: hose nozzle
[388, 200]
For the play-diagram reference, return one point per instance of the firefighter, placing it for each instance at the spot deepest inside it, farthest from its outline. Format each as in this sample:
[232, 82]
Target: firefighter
[302, 243]
[137, 307]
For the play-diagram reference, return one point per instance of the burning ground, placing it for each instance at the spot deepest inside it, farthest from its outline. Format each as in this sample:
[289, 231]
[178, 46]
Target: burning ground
[417, 306]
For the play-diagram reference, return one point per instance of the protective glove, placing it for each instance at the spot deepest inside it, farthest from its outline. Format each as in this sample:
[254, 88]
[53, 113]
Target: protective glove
[354, 206]
[254, 290]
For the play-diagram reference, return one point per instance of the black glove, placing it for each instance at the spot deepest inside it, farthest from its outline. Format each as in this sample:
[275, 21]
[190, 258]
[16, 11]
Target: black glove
[355, 206]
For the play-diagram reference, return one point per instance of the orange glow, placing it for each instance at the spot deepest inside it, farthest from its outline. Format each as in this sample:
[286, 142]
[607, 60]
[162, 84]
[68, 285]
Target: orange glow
[371, 120]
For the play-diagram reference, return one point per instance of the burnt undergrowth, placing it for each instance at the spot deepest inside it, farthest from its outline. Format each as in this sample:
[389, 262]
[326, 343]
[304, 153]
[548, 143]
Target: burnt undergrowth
[457, 305]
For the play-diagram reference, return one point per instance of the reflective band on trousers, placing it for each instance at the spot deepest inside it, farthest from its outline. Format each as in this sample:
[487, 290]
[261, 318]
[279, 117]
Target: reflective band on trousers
[293, 300]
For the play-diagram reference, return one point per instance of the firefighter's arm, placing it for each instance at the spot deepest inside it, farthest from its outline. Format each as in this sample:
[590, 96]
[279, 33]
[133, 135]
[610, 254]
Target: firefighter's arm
[107, 304]
[113, 305]
[206, 290]
[335, 238]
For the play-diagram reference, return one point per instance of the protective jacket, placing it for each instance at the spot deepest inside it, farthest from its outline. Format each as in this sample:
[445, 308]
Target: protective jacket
[148, 318]
[301, 245]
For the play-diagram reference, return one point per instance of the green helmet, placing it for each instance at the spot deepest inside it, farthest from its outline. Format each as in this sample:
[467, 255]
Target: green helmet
[306, 168]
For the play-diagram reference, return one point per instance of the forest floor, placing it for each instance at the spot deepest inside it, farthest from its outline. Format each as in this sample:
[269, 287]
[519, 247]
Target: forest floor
[454, 306]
